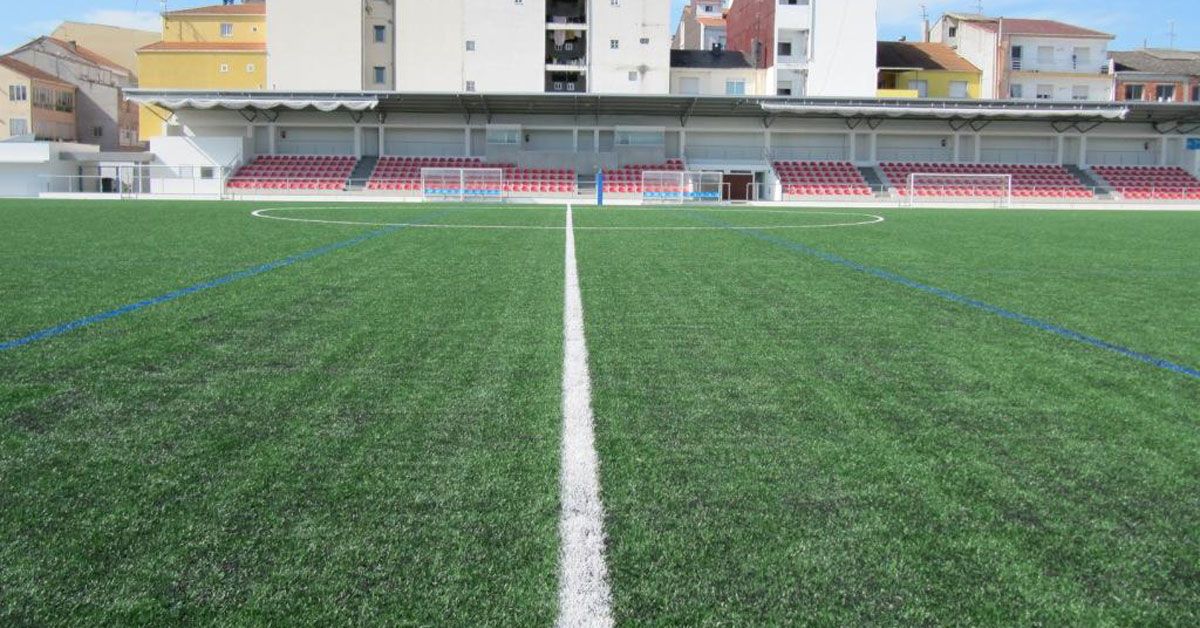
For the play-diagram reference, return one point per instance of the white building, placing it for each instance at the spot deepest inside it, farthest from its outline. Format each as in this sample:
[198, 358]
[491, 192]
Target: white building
[1027, 59]
[517, 46]
[715, 72]
[701, 25]
[809, 47]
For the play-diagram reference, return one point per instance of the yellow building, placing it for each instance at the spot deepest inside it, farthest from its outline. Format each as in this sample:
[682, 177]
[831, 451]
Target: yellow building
[221, 47]
[925, 70]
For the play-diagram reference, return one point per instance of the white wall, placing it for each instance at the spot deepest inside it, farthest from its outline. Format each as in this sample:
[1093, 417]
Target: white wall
[711, 82]
[843, 43]
[976, 45]
[510, 45]
[628, 23]
[315, 45]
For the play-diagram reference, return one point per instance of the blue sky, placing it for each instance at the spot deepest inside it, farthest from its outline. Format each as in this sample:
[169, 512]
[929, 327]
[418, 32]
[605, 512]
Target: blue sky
[1132, 22]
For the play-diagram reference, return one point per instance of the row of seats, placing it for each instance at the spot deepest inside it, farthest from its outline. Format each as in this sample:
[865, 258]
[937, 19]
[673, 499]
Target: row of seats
[1166, 183]
[405, 174]
[629, 179]
[821, 178]
[294, 172]
[1028, 181]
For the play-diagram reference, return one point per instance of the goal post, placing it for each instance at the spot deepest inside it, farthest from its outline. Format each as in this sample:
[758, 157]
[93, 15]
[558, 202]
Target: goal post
[993, 189]
[682, 186]
[462, 184]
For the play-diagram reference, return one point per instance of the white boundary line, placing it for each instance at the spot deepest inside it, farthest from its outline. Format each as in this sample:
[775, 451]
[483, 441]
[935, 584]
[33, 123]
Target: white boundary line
[584, 598]
[871, 219]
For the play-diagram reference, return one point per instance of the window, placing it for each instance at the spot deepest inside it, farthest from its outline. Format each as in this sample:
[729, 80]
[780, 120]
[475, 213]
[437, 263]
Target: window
[1135, 92]
[959, 89]
[1081, 57]
[952, 32]
[208, 173]
[380, 34]
[784, 88]
[97, 131]
[614, 44]
[18, 93]
[470, 87]
[644, 41]
[921, 87]
[226, 30]
[506, 136]
[1196, 93]
[1080, 92]
[641, 138]
[785, 48]
[64, 101]
[735, 88]
[633, 76]
[1018, 54]
[1045, 55]
[224, 68]
[251, 68]
[380, 74]
[689, 86]
[470, 45]
[1045, 92]
[1016, 91]
[1164, 93]
[18, 126]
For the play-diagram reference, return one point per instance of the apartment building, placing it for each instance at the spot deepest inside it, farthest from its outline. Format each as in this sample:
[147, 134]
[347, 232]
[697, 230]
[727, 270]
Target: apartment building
[35, 104]
[702, 25]
[220, 47]
[116, 43]
[103, 115]
[1026, 59]
[925, 70]
[808, 47]
[513, 46]
[1155, 75]
[715, 72]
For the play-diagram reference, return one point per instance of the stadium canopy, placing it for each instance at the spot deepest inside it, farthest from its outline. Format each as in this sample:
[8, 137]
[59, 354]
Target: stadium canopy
[683, 107]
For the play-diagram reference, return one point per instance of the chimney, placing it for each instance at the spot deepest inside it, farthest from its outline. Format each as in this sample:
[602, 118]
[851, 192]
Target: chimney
[925, 30]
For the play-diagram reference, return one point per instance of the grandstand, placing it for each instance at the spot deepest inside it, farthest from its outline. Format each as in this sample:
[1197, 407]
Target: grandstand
[781, 150]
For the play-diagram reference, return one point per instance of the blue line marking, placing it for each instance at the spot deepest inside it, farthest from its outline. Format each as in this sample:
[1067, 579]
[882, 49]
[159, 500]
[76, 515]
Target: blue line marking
[65, 328]
[962, 300]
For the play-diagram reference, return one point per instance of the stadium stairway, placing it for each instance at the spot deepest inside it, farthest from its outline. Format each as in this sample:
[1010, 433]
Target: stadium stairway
[362, 173]
[1088, 179]
[874, 178]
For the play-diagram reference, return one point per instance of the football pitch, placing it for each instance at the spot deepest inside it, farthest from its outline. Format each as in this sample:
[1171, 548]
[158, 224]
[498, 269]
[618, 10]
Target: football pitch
[233, 413]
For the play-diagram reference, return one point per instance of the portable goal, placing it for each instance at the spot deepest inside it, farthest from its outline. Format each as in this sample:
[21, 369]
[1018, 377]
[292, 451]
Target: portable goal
[462, 184]
[682, 186]
[991, 189]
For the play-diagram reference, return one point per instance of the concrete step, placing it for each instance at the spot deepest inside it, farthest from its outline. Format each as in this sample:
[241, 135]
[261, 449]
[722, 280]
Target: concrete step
[362, 173]
[1089, 179]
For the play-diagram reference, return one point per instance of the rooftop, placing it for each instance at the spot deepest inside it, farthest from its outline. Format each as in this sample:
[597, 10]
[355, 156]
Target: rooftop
[204, 46]
[1029, 27]
[895, 55]
[709, 59]
[249, 8]
[29, 71]
[1157, 61]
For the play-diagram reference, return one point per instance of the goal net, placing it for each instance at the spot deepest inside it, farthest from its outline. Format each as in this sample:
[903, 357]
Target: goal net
[462, 184]
[680, 186]
[991, 189]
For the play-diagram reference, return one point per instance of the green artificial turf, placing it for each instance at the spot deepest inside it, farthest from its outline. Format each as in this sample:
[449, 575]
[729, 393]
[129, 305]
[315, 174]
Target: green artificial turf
[372, 435]
[785, 440]
[366, 437]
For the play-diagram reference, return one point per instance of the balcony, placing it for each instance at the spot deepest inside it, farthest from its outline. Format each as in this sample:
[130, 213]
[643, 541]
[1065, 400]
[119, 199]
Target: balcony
[566, 48]
[566, 14]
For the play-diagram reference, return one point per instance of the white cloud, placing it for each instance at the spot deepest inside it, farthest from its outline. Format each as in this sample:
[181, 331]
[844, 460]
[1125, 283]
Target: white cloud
[140, 20]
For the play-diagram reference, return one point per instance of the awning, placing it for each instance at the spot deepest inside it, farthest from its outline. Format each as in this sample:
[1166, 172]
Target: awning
[181, 102]
[957, 113]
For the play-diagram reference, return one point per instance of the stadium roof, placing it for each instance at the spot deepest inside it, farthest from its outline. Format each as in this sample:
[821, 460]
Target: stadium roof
[684, 107]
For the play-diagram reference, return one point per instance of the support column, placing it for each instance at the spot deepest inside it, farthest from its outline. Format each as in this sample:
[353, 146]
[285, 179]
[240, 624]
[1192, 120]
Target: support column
[1083, 163]
[768, 141]
[874, 138]
[271, 143]
[853, 147]
[358, 141]
[1162, 150]
[978, 157]
[382, 137]
[575, 139]
[467, 141]
[683, 144]
[1060, 150]
[596, 141]
[957, 139]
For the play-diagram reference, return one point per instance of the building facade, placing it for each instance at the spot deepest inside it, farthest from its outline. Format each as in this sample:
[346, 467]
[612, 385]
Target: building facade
[119, 44]
[1153, 75]
[715, 72]
[575, 46]
[808, 47]
[702, 25]
[35, 104]
[925, 70]
[216, 47]
[1025, 59]
[103, 115]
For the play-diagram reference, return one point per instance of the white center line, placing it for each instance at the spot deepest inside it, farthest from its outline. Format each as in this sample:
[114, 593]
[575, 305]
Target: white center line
[584, 598]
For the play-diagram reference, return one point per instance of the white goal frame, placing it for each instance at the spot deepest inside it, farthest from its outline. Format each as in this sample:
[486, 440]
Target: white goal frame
[682, 186]
[950, 183]
[462, 184]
